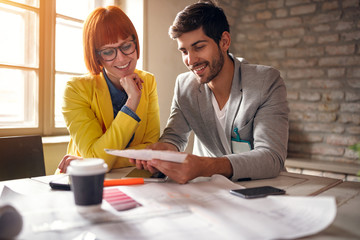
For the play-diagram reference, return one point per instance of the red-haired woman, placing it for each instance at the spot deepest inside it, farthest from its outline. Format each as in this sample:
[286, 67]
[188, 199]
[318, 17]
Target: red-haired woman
[115, 106]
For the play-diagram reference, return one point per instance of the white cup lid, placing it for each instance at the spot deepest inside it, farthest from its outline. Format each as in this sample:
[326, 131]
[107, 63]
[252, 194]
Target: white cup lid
[87, 166]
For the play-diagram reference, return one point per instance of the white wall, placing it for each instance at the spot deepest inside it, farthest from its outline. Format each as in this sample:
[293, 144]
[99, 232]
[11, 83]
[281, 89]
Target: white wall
[161, 56]
[53, 153]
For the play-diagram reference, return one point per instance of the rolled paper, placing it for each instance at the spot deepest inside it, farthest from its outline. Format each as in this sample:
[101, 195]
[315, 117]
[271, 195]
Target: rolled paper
[10, 222]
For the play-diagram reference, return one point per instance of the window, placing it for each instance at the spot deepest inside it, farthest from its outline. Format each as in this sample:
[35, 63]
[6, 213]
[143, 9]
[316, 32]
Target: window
[41, 48]
[19, 61]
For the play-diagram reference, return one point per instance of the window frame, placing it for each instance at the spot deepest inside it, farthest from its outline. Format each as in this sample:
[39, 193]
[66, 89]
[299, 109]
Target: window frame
[47, 19]
[8, 131]
[45, 71]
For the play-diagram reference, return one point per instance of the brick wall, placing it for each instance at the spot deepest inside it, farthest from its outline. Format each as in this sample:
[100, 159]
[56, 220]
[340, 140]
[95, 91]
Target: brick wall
[316, 46]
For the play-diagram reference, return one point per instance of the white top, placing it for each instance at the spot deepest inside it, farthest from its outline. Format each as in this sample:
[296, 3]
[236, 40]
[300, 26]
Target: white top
[220, 122]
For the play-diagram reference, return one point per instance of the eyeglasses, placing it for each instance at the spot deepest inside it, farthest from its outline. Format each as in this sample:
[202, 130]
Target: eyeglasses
[109, 54]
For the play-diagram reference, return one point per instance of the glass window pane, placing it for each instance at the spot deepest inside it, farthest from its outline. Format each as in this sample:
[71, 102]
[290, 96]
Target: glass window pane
[18, 98]
[34, 3]
[69, 49]
[18, 41]
[77, 9]
[132, 9]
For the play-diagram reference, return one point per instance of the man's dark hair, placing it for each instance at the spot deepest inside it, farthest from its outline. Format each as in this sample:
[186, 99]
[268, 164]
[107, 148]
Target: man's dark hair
[203, 14]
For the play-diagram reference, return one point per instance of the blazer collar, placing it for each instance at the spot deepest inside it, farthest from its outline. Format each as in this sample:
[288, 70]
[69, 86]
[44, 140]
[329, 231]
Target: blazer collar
[103, 98]
[234, 99]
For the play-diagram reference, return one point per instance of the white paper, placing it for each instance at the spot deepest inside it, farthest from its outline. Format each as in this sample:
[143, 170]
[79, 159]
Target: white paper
[202, 209]
[148, 154]
[53, 215]
[273, 217]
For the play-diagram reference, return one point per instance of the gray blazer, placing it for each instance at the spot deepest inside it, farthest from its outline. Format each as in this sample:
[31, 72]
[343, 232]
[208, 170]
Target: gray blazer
[257, 107]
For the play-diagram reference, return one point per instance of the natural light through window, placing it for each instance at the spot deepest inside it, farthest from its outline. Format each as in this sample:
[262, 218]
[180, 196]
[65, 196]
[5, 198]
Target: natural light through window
[18, 86]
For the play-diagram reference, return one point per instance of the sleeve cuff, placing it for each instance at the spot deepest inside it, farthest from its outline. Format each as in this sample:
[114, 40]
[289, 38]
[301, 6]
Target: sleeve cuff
[130, 112]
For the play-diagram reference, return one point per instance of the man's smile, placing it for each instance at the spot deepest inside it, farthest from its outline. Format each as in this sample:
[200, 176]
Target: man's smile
[199, 69]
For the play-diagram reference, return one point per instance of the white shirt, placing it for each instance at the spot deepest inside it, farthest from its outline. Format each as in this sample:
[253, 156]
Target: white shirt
[220, 122]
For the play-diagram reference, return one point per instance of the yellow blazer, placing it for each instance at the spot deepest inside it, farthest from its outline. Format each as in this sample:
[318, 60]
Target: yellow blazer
[89, 117]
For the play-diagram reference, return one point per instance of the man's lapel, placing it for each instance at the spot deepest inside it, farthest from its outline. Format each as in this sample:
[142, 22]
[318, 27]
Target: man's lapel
[234, 100]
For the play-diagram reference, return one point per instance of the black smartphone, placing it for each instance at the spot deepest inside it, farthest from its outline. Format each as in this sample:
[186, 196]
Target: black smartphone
[257, 192]
[61, 183]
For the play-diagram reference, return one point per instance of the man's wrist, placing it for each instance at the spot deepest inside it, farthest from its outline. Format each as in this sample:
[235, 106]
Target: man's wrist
[172, 147]
[218, 165]
[169, 146]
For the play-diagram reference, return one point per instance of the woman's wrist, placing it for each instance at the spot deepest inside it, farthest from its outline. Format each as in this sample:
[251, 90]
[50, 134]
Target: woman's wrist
[132, 104]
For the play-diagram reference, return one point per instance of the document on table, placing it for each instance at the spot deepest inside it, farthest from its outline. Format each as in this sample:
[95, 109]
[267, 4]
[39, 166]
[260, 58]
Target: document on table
[230, 217]
[197, 210]
[148, 154]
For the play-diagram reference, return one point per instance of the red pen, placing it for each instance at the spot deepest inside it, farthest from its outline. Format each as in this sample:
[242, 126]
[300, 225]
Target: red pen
[124, 181]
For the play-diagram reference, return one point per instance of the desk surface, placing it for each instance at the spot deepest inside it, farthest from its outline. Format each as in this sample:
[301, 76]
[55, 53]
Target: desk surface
[297, 184]
[347, 194]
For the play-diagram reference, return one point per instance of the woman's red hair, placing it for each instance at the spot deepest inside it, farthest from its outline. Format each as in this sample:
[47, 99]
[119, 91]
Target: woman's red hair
[105, 26]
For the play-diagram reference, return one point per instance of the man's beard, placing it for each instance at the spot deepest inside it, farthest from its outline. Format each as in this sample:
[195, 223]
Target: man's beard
[215, 67]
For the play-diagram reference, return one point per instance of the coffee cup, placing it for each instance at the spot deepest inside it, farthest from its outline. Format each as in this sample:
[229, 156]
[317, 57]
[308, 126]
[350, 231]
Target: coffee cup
[87, 181]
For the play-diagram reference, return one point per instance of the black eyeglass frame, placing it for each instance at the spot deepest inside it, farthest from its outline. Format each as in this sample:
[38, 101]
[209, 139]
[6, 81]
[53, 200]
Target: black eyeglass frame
[116, 50]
